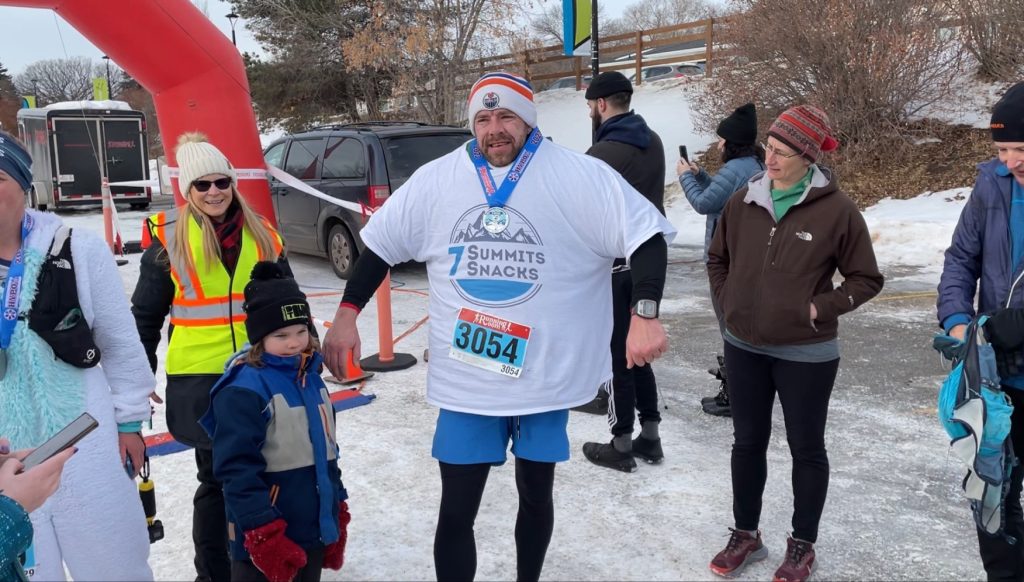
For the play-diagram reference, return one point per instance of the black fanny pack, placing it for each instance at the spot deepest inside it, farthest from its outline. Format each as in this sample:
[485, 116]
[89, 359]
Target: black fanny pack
[56, 315]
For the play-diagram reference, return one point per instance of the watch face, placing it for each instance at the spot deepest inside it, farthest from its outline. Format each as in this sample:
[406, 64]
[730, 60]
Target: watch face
[647, 308]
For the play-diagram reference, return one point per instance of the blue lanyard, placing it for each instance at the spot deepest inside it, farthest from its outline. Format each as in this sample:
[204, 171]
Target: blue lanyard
[500, 195]
[12, 287]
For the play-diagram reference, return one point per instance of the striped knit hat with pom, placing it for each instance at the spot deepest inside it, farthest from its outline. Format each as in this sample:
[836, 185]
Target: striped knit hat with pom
[805, 128]
[502, 91]
[196, 158]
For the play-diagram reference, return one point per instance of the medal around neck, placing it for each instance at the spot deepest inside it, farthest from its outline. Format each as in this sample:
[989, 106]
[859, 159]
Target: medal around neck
[495, 220]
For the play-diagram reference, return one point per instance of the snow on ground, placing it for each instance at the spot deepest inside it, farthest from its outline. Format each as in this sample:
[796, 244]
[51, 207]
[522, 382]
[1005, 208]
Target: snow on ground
[663, 522]
[563, 115]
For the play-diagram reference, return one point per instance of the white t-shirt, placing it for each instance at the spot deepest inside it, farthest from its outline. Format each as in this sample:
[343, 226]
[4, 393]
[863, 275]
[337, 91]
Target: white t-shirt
[570, 216]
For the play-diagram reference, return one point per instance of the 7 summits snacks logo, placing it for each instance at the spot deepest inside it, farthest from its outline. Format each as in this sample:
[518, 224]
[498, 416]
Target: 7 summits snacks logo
[495, 270]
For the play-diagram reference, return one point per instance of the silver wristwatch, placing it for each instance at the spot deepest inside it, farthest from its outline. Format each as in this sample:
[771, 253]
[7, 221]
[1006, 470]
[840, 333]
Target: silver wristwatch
[646, 308]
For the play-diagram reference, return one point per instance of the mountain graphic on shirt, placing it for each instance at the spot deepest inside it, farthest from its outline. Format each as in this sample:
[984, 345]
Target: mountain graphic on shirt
[475, 232]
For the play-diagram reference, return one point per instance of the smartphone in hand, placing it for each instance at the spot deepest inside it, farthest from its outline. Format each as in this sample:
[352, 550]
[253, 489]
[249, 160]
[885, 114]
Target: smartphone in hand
[68, 436]
[682, 154]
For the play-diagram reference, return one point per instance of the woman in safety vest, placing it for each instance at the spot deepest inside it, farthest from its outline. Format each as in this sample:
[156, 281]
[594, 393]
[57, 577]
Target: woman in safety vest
[196, 267]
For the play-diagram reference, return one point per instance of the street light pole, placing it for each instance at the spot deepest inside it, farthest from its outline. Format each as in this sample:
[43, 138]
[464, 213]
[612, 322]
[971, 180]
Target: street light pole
[106, 61]
[232, 17]
[35, 90]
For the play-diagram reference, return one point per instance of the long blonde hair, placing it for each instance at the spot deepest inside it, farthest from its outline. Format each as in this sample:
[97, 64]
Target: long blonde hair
[256, 224]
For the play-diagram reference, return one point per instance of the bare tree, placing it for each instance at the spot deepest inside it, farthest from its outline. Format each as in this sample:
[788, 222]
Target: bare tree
[651, 14]
[547, 25]
[55, 80]
[990, 30]
[871, 64]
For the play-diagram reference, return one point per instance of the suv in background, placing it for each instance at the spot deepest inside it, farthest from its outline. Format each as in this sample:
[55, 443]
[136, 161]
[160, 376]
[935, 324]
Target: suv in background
[362, 163]
[570, 83]
[658, 72]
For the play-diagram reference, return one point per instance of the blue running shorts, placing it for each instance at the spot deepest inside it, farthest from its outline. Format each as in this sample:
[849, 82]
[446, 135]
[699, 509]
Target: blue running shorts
[462, 438]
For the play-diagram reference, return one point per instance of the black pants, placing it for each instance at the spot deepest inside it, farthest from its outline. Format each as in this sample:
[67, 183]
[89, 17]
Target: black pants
[633, 387]
[1002, 560]
[246, 571]
[462, 487]
[804, 390]
[209, 523]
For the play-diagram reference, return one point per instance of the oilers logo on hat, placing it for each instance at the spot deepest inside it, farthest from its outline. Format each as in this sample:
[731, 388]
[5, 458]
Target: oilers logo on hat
[491, 100]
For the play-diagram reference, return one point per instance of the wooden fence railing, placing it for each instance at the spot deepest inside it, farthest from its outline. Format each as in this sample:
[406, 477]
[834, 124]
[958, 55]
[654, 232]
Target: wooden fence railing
[622, 52]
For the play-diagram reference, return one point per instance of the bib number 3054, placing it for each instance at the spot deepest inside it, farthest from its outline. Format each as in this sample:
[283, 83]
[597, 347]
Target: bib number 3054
[492, 343]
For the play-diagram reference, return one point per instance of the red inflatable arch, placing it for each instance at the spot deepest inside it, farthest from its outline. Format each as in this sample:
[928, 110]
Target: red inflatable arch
[194, 73]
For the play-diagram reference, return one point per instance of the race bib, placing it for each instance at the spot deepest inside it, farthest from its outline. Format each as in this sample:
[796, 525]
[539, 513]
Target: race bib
[492, 343]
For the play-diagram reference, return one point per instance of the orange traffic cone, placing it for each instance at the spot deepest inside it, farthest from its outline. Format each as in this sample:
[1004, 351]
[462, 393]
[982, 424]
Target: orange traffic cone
[352, 374]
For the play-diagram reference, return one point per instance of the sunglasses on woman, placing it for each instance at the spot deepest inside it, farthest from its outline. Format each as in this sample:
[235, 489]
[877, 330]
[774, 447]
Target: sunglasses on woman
[204, 185]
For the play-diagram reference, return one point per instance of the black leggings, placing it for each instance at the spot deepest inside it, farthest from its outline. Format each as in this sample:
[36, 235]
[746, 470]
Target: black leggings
[804, 390]
[631, 387]
[462, 487]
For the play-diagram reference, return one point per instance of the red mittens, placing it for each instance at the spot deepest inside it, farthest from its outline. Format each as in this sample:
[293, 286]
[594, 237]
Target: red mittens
[334, 554]
[273, 553]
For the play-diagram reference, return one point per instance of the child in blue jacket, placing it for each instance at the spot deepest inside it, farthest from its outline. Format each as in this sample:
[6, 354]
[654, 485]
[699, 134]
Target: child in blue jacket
[274, 449]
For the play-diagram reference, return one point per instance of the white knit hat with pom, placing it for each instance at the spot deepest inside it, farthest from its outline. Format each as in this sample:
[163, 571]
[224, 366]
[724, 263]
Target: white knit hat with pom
[197, 157]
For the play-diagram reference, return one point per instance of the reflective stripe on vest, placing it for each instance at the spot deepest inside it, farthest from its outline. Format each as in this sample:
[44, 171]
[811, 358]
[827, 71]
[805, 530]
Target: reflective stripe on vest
[207, 315]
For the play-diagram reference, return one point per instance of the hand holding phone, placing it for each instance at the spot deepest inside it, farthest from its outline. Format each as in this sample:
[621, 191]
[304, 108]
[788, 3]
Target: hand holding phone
[67, 437]
[682, 154]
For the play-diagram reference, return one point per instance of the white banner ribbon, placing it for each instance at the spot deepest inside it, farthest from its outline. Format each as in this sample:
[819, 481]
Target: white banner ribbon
[289, 180]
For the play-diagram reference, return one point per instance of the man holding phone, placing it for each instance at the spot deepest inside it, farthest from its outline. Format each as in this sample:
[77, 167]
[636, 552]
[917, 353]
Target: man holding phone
[623, 140]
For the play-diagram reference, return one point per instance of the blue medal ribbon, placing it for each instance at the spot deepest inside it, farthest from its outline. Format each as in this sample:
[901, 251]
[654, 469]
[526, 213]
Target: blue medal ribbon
[498, 196]
[12, 287]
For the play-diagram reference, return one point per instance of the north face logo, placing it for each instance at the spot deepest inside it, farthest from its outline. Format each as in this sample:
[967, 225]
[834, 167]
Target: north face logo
[805, 236]
[62, 264]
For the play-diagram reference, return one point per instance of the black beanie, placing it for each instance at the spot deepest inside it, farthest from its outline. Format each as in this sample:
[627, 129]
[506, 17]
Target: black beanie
[272, 301]
[608, 83]
[740, 128]
[1008, 115]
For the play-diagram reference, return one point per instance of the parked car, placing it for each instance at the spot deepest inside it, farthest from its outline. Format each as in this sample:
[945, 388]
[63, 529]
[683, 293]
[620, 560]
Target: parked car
[570, 83]
[658, 72]
[359, 162]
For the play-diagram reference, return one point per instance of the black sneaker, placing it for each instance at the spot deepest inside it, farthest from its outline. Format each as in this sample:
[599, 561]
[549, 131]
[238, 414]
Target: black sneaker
[606, 455]
[716, 408]
[598, 405]
[722, 398]
[649, 450]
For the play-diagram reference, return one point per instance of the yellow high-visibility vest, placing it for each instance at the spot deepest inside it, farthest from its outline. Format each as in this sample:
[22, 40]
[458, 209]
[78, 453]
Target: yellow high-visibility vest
[207, 315]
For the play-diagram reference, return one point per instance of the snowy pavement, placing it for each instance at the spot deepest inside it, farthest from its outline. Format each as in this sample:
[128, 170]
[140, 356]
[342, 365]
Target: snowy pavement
[894, 510]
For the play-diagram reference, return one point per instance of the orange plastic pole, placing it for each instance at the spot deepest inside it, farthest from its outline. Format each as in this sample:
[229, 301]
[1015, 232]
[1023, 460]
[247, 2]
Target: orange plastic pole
[108, 219]
[384, 328]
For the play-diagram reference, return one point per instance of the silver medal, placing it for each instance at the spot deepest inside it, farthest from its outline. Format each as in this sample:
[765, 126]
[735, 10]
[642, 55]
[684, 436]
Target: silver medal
[3, 364]
[495, 220]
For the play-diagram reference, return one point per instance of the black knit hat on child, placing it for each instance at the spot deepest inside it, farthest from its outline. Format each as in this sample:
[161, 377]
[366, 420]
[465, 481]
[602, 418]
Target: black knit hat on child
[740, 127]
[1008, 115]
[272, 301]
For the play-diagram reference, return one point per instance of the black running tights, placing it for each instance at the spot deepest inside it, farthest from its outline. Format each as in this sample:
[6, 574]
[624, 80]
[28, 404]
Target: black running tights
[462, 487]
[804, 390]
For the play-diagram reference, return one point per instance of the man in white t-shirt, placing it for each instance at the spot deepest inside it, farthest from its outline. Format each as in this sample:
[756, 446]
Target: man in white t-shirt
[518, 235]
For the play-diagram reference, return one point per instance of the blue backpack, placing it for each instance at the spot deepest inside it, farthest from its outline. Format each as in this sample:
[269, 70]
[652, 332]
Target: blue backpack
[975, 412]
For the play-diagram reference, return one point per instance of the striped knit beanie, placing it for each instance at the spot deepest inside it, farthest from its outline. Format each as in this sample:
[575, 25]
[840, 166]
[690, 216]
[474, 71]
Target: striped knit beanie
[804, 128]
[502, 91]
[15, 161]
[196, 158]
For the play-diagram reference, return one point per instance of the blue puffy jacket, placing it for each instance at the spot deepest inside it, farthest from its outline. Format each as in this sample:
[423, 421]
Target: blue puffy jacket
[708, 195]
[980, 252]
[274, 450]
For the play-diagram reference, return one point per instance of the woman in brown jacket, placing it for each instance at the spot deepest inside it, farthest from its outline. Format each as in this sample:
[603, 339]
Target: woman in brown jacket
[771, 262]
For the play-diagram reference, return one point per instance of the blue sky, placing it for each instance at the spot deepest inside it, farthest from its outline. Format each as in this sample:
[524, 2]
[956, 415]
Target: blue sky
[31, 34]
